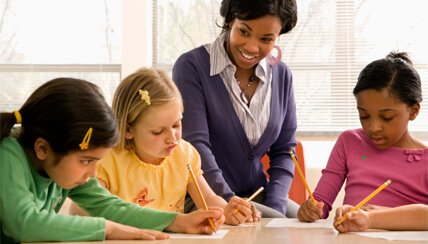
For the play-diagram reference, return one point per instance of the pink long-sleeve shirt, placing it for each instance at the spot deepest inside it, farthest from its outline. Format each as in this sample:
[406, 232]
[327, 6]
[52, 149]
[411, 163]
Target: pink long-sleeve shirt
[365, 167]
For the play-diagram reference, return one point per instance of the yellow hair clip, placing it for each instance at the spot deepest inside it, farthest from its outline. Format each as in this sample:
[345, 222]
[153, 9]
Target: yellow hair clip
[18, 117]
[145, 96]
[85, 143]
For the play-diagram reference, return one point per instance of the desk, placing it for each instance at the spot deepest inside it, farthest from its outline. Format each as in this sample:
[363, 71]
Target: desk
[265, 235]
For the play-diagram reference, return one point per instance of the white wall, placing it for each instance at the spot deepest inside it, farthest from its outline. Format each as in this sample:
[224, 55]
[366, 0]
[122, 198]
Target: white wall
[137, 44]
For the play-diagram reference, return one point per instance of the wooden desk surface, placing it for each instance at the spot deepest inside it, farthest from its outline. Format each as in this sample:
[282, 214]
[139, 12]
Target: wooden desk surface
[266, 235]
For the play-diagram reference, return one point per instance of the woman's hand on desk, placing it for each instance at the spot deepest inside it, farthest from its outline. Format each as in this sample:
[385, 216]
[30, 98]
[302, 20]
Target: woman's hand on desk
[116, 231]
[309, 211]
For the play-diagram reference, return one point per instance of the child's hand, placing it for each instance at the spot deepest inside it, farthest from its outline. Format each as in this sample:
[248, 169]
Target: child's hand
[356, 221]
[309, 211]
[370, 207]
[237, 211]
[197, 222]
[116, 231]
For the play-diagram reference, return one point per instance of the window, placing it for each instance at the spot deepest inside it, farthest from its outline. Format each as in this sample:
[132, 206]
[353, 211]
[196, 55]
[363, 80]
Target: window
[332, 42]
[44, 39]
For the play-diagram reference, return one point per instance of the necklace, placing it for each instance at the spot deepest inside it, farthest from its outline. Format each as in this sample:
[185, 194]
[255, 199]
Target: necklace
[244, 96]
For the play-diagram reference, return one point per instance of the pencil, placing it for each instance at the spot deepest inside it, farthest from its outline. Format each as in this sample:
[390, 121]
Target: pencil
[200, 195]
[301, 175]
[366, 200]
[253, 196]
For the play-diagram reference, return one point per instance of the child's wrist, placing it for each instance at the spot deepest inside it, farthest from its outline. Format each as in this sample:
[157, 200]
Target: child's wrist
[177, 225]
[371, 220]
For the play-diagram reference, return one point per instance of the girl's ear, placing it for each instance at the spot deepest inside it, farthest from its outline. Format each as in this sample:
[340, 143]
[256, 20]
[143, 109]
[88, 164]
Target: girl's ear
[414, 111]
[41, 148]
[128, 133]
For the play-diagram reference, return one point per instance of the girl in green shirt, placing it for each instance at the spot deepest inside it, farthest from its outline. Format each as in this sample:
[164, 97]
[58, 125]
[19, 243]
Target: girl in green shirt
[66, 127]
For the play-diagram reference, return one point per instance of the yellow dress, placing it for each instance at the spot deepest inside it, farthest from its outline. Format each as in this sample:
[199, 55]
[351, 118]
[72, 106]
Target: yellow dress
[161, 187]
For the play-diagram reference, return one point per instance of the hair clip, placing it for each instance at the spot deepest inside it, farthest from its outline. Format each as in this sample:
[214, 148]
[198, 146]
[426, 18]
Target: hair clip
[18, 117]
[85, 143]
[145, 96]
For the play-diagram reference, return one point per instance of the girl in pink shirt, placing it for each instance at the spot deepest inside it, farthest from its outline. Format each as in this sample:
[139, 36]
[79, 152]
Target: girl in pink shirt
[388, 95]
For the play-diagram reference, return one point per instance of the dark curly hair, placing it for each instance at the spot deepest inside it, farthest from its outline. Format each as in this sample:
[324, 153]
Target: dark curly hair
[286, 10]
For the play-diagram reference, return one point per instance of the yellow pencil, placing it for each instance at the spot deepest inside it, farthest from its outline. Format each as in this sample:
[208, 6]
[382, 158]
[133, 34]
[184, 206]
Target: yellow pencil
[252, 196]
[366, 199]
[200, 195]
[301, 175]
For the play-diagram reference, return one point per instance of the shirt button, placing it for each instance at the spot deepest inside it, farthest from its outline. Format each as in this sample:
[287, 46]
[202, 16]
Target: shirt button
[251, 156]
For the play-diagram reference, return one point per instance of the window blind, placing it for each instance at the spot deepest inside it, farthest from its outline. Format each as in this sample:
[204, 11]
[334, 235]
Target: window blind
[331, 43]
[44, 39]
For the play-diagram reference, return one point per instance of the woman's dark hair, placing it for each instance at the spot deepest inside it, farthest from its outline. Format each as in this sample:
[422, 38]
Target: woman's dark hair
[61, 111]
[286, 10]
[395, 73]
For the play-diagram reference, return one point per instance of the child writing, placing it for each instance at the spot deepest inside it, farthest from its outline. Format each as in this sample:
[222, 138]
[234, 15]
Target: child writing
[149, 165]
[405, 218]
[66, 127]
[388, 95]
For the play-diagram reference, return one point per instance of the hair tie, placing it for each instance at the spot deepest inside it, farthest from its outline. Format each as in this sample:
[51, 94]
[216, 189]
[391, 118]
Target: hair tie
[145, 96]
[85, 142]
[18, 117]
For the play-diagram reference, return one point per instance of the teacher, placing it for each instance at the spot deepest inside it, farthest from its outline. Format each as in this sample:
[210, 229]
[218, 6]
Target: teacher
[239, 104]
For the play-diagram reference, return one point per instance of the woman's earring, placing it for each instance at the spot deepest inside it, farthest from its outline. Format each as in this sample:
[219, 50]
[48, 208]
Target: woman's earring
[274, 61]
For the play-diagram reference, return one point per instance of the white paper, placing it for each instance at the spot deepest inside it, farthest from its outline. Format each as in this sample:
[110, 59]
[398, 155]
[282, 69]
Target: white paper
[219, 235]
[224, 226]
[294, 222]
[396, 235]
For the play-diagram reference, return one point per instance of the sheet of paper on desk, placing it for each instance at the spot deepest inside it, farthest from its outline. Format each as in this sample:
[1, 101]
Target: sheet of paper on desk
[283, 222]
[224, 226]
[219, 235]
[396, 235]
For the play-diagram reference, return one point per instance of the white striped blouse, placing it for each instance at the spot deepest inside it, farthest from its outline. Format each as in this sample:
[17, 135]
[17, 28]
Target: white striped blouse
[255, 117]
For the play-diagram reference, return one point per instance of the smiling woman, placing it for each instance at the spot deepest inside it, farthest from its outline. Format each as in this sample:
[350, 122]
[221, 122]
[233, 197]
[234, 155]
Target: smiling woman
[232, 79]
[248, 43]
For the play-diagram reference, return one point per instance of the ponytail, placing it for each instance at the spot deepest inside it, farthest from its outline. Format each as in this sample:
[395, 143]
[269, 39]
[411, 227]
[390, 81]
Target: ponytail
[61, 111]
[396, 73]
[7, 121]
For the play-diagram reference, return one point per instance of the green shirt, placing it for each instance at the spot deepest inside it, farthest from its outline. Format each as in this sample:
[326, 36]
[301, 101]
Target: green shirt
[30, 204]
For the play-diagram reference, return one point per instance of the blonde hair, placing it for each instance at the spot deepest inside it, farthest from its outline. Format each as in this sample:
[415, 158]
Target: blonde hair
[128, 105]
